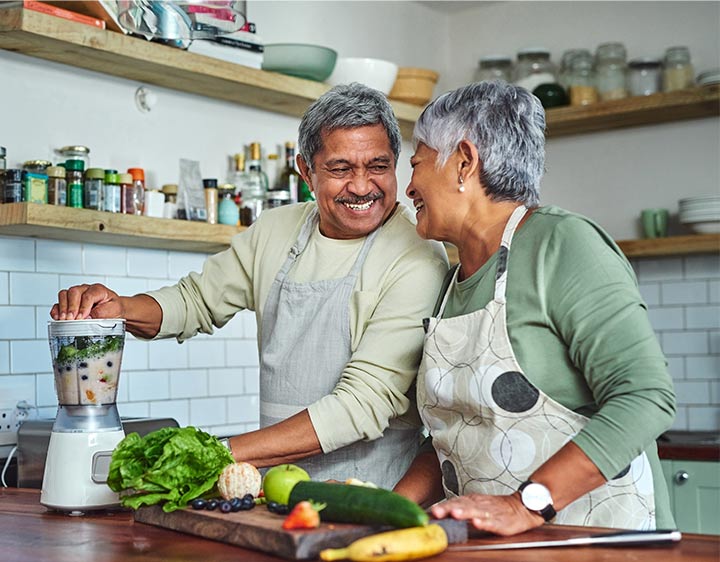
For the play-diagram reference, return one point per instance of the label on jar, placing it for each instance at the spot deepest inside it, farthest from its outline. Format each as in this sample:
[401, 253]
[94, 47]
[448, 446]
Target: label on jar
[111, 197]
[76, 195]
[34, 188]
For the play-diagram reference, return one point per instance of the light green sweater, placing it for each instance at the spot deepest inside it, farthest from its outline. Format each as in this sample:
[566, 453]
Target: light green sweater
[396, 289]
[581, 334]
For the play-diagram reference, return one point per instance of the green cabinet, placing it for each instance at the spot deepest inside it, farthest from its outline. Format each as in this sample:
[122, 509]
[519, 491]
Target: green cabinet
[694, 488]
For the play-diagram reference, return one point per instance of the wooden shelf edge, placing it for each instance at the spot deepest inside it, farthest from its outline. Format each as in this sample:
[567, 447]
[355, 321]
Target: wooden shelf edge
[97, 227]
[650, 247]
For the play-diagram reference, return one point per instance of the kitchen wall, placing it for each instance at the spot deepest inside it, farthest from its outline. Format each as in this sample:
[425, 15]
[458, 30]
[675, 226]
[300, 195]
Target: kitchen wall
[212, 381]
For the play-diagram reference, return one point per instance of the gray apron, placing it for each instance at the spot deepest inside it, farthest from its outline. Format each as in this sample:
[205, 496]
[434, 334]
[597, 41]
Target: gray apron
[492, 428]
[306, 345]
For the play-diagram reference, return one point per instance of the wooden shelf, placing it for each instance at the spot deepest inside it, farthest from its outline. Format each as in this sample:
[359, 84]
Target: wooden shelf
[652, 247]
[97, 227]
[51, 38]
[75, 44]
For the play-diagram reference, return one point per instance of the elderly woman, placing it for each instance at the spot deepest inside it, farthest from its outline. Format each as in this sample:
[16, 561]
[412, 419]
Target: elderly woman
[542, 384]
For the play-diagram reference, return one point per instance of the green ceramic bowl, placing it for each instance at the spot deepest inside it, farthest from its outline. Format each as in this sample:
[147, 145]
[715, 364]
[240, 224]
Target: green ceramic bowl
[311, 62]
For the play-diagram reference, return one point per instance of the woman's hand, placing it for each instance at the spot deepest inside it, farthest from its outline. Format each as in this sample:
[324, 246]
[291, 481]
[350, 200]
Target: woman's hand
[501, 515]
[87, 301]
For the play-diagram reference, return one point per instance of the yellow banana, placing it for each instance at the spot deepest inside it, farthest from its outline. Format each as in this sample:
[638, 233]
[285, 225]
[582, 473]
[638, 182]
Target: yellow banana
[403, 544]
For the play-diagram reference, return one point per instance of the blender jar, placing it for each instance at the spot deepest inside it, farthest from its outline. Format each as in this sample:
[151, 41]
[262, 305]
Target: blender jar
[86, 357]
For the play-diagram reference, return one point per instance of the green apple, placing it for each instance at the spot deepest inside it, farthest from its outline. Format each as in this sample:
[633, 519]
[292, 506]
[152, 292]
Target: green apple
[280, 480]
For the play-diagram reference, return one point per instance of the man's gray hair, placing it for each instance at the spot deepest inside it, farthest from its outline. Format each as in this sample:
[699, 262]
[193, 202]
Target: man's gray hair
[346, 107]
[507, 125]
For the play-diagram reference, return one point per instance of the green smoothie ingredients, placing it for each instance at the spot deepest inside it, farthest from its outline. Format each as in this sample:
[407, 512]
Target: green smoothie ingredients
[171, 465]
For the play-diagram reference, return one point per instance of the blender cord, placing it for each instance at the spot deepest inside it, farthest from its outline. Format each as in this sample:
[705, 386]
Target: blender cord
[7, 463]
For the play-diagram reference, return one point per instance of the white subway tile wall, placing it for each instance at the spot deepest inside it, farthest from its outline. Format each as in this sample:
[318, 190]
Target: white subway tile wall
[209, 381]
[683, 298]
[213, 381]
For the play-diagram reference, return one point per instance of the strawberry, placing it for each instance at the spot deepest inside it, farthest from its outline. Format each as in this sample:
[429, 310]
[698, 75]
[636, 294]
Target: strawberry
[305, 515]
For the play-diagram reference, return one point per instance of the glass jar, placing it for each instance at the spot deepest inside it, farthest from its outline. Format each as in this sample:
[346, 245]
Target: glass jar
[75, 153]
[93, 188]
[135, 198]
[112, 192]
[610, 71]
[678, 72]
[211, 199]
[494, 67]
[3, 161]
[534, 68]
[564, 70]
[74, 177]
[126, 193]
[644, 76]
[582, 79]
[170, 190]
[57, 186]
[277, 198]
[12, 186]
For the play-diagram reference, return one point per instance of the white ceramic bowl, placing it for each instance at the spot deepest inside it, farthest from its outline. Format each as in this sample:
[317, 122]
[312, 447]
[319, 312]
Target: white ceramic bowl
[376, 73]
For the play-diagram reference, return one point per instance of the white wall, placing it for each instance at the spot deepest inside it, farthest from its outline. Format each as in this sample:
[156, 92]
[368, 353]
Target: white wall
[609, 176]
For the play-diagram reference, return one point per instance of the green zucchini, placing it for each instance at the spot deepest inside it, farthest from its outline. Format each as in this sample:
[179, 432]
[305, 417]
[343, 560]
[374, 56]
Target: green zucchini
[346, 503]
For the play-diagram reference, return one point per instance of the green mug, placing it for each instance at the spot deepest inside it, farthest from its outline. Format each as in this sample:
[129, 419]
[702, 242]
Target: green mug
[654, 222]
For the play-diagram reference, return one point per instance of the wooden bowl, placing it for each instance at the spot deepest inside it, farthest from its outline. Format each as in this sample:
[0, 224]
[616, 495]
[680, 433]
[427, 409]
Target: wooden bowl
[414, 85]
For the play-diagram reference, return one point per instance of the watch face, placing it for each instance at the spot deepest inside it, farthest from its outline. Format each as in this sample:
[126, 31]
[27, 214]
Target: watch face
[536, 497]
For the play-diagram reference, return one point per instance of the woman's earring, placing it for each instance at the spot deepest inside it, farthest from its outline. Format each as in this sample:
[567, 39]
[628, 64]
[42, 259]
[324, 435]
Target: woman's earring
[461, 187]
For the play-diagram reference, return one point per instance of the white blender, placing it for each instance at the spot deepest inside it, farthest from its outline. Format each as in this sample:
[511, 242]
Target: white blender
[86, 356]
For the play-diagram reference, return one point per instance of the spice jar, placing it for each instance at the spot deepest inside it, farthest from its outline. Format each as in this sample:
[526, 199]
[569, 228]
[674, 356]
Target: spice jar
[610, 71]
[582, 79]
[126, 189]
[644, 77]
[135, 197]
[75, 152]
[57, 186]
[12, 186]
[94, 186]
[494, 67]
[170, 190]
[74, 177]
[3, 161]
[564, 70]
[211, 200]
[35, 181]
[112, 192]
[534, 68]
[678, 72]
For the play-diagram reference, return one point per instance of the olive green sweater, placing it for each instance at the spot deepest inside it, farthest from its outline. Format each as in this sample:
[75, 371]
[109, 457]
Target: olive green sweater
[580, 332]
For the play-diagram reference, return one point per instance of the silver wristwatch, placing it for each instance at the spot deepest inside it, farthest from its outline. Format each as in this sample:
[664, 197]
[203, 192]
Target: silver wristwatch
[537, 498]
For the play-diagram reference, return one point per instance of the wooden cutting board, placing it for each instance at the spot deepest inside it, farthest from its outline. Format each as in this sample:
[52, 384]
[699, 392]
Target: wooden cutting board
[261, 530]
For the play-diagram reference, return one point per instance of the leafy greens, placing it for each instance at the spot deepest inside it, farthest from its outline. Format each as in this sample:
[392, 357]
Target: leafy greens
[172, 464]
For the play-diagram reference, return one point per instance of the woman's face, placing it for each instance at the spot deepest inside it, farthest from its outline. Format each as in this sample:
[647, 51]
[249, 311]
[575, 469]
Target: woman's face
[433, 192]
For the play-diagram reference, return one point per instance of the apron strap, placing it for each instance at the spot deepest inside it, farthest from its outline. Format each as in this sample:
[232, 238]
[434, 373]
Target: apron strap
[504, 252]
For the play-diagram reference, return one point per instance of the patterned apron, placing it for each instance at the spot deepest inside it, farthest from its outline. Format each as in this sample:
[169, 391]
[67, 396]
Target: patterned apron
[492, 428]
[306, 345]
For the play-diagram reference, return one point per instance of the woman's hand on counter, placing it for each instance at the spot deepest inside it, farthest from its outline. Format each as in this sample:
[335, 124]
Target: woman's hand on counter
[142, 313]
[501, 515]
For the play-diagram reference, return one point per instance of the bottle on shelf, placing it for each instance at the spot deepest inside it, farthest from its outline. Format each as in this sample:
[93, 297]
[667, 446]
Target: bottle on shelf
[304, 192]
[228, 211]
[286, 188]
[255, 187]
[211, 199]
[112, 192]
[583, 90]
[678, 72]
[93, 188]
[610, 71]
[57, 186]
[170, 205]
[135, 197]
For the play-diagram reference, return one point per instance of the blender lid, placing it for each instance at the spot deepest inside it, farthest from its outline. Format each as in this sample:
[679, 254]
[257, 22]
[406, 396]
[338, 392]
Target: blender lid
[90, 327]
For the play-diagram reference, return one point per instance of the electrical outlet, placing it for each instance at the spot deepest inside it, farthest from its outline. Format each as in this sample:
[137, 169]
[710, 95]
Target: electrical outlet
[9, 425]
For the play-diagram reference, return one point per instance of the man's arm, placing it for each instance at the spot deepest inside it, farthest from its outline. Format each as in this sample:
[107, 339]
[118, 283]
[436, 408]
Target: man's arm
[285, 442]
[422, 482]
[142, 313]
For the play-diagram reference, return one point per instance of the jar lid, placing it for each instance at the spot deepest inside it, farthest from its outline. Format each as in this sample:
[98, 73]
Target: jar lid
[95, 174]
[80, 150]
[495, 60]
[75, 165]
[125, 178]
[56, 172]
[42, 164]
[137, 173]
[113, 178]
[533, 51]
[210, 183]
[647, 64]
[170, 188]
[110, 171]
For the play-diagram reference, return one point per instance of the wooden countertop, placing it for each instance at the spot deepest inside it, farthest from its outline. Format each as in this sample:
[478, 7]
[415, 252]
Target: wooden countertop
[30, 532]
[689, 446]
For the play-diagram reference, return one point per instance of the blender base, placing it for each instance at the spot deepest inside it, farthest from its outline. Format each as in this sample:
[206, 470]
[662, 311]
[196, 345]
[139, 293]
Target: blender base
[76, 471]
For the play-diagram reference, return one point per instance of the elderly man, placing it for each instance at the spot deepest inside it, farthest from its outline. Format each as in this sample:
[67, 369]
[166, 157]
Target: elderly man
[339, 288]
